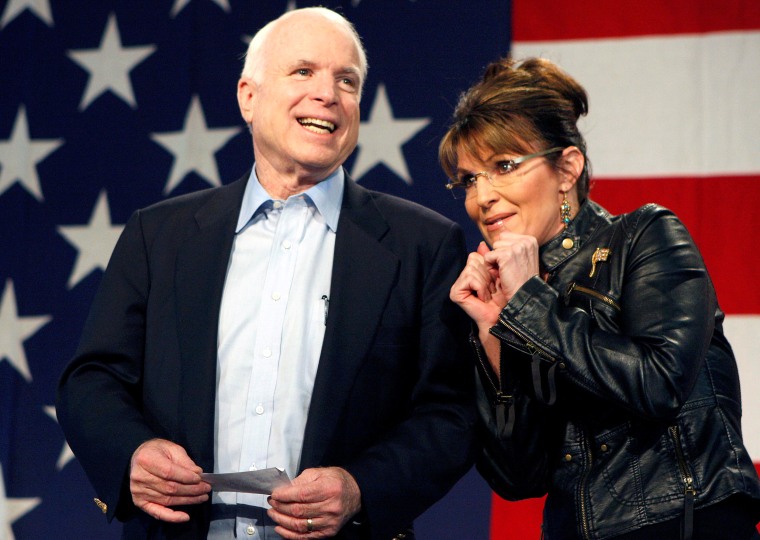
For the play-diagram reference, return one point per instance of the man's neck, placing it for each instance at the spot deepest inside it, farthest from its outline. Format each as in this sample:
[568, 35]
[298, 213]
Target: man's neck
[283, 184]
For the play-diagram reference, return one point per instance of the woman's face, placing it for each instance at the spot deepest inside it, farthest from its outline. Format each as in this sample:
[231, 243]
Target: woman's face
[525, 201]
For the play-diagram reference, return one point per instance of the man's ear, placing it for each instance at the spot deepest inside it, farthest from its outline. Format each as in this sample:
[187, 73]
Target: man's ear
[246, 92]
[571, 165]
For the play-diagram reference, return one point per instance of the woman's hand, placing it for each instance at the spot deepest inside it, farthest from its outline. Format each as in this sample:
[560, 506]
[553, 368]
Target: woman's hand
[516, 258]
[477, 290]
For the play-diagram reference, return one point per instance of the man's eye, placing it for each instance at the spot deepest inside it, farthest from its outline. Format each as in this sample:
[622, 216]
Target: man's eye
[348, 82]
[303, 72]
[505, 167]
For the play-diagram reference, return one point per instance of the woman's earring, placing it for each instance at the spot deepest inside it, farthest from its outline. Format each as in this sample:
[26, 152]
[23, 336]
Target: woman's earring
[564, 211]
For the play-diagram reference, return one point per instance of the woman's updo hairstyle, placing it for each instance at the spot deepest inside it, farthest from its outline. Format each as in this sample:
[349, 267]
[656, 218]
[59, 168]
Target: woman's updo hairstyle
[518, 108]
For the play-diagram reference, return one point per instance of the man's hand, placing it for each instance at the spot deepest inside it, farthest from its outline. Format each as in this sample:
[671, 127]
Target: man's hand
[163, 475]
[316, 505]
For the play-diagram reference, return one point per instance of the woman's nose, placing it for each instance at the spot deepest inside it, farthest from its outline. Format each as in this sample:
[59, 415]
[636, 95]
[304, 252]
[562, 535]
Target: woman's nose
[485, 193]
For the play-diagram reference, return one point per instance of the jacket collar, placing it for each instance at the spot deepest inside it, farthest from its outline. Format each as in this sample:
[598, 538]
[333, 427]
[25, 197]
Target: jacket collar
[569, 242]
[363, 276]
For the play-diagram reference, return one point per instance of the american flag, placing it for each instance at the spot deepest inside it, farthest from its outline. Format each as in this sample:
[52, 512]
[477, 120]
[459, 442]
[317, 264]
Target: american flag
[109, 106]
[674, 110]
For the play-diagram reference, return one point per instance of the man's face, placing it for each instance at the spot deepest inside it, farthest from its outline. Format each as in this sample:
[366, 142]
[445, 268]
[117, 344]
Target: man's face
[304, 109]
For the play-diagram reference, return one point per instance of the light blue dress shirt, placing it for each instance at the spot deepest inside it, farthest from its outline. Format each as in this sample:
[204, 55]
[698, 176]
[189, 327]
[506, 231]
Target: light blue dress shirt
[271, 328]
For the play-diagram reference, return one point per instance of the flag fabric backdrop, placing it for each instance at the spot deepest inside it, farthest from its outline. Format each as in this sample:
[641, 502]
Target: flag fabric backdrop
[109, 106]
[674, 118]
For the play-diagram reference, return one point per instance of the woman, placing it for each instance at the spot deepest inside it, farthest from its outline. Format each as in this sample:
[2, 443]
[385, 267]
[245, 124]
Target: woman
[605, 380]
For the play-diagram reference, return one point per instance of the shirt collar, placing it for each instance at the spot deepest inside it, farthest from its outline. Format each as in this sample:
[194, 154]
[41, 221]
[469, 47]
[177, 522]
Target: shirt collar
[326, 196]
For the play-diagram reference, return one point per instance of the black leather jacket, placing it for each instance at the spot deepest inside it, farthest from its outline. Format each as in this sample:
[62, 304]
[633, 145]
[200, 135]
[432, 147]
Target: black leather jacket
[619, 394]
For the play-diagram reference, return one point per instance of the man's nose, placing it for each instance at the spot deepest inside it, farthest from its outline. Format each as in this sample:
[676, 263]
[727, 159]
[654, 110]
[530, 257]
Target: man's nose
[325, 89]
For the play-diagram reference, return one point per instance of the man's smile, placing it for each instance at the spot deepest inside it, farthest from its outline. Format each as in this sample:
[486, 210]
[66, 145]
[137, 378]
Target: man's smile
[316, 125]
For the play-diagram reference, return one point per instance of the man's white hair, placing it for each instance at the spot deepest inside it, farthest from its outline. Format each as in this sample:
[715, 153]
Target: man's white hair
[254, 58]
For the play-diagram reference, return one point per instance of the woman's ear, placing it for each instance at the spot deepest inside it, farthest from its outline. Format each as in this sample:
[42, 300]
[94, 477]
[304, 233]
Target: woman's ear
[571, 167]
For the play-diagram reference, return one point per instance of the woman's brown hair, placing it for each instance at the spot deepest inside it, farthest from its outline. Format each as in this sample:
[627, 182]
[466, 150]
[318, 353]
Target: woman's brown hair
[518, 108]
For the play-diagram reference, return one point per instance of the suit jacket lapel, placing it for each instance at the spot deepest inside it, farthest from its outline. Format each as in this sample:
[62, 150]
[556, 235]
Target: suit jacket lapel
[362, 276]
[200, 274]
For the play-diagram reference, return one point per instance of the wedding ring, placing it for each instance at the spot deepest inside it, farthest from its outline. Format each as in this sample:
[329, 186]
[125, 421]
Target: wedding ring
[309, 525]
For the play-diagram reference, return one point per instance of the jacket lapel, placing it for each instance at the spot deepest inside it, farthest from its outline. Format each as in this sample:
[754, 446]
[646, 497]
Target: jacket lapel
[362, 277]
[201, 269]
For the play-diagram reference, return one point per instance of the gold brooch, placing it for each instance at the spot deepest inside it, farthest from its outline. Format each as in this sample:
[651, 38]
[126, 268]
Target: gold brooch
[601, 254]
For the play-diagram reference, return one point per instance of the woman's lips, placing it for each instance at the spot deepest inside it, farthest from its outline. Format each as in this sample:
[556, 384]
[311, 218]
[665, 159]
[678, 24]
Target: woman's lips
[496, 223]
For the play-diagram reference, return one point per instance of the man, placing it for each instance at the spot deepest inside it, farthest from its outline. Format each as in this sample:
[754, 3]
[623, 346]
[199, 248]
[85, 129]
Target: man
[291, 319]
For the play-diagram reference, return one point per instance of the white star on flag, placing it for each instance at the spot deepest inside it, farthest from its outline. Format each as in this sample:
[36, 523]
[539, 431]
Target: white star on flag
[179, 5]
[109, 65]
[194, 147]
[382, 136]
[41, 8]
[11, 509]
[16, 330]
[94, 241]
[66, 454]
[20, 155]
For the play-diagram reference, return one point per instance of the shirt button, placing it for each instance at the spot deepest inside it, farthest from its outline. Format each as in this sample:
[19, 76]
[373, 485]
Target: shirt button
[604, 448]
[267, 353]
[568, 457]
[286, 244]
[259, 409]
[275, 296]
[277, 204]
[250, 530]
[568, 243]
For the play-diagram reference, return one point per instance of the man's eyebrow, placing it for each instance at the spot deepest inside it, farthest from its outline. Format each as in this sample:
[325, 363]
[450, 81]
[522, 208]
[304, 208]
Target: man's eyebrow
[350, 70]
[302, 63]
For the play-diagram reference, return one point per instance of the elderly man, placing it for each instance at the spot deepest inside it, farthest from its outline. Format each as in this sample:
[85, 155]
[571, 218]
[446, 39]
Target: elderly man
[291, 319]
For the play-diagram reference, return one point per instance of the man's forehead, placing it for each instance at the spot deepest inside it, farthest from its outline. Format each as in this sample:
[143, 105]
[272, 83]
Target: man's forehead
[302, 36]
[306, 26]
[294, 57]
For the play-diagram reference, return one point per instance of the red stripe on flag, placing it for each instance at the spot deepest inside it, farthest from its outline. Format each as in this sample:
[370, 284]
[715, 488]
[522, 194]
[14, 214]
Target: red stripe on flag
[519, 520]
[721, 214]
[588, 19]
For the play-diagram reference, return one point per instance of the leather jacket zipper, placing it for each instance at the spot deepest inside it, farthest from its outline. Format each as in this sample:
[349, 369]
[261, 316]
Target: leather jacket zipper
[476, 345]
[591, 292]
[527, 346]
[505, 414]
[689, 489]
[549, 396]
[583, 489]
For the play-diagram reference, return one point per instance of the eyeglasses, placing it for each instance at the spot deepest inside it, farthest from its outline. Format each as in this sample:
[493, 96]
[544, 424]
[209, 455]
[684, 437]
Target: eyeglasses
[499, 176]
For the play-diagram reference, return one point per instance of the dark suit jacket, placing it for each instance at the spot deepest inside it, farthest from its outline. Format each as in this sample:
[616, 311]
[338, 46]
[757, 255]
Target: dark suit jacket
[392, 402]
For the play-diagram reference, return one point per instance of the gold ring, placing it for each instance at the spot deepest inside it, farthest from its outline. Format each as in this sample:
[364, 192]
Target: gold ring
[309, 525]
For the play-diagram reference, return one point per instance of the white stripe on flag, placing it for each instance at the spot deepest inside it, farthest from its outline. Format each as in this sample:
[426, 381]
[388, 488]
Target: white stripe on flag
[643, 95]
[742, 332]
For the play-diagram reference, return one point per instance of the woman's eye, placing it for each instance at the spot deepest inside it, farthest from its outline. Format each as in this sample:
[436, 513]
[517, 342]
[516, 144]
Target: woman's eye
[467, 180]
[505, 167]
